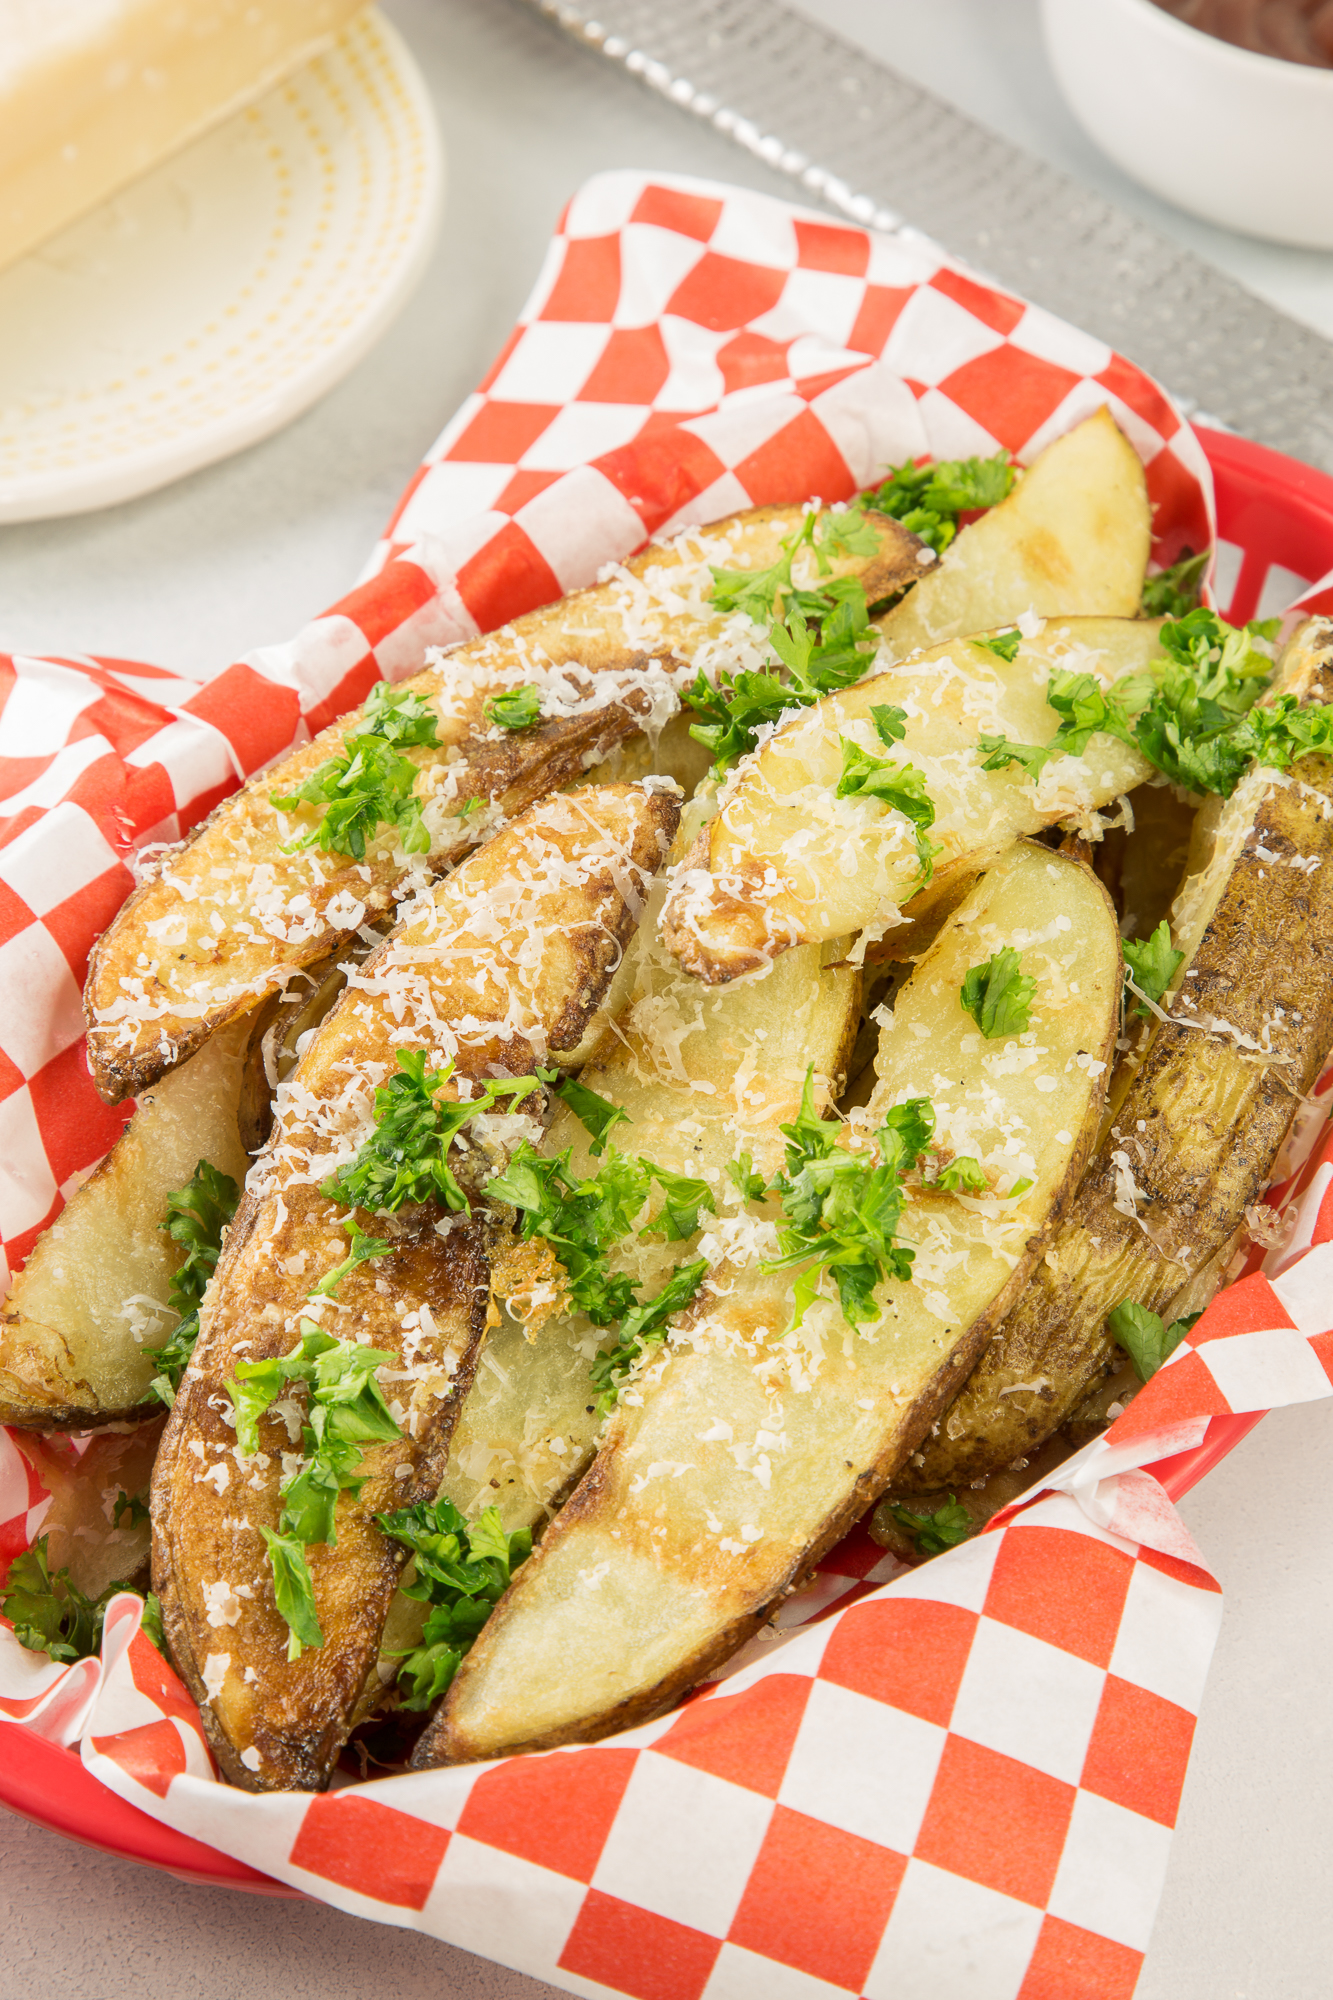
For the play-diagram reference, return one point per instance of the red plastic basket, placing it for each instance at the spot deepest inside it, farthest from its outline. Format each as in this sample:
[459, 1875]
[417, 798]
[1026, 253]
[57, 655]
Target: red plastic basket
[1274, 515]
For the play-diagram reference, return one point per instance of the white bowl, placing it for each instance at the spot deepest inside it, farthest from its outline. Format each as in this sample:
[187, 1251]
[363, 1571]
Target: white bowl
[1238, 138]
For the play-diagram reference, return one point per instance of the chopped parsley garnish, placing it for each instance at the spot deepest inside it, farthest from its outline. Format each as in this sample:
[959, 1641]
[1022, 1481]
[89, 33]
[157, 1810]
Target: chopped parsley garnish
[749, 1185]
[462, 1571]
[197, 1214]
[842, 1208]
[597, 1114]
[819, 638]
[405, 1159]
[928, 499]
[131, 1505]
[581, 1221]
[1004, 645]
[998, 995]
[934, 1533]
[50, 1614]
[365, 1249]
[1192, 714]
[963, 1175]
[1173, 592]
[1143, 1336]
[642, 1326]
[370, 783]
[515, 708]
[345, 1412]
[1152, 964]
[902, 786]
[847, 534]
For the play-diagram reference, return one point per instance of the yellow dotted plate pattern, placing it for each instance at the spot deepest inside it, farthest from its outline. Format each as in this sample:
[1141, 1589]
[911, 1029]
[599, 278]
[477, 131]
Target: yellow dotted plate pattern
[220, 295]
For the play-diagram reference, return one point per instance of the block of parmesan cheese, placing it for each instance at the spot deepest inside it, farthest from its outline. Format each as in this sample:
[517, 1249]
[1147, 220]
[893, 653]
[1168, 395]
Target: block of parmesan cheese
[94, 92]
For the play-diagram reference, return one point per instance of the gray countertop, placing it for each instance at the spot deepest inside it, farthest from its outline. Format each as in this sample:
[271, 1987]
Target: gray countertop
[239, 556]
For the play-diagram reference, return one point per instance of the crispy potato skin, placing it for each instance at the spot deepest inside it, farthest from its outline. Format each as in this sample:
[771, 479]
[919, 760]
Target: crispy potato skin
[681, 1598]
[507, 960]
[1199, 1126]
[203, 976]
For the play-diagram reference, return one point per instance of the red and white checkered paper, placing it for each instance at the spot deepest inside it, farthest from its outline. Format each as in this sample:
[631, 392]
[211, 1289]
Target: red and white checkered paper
[967, 1776]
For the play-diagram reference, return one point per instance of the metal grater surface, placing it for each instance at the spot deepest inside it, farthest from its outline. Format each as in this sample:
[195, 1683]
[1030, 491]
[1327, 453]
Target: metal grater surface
[865, 141]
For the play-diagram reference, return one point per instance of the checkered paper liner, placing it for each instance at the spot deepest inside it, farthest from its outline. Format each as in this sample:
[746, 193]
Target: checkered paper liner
[975, 1764]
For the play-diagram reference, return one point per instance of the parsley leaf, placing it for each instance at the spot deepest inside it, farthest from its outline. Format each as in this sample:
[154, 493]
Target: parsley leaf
[735, 710]
[934, 1533]
[51, 1615]
[998, 751]
[370, 783]
[580, 1220]
[515, 708]
[998, 996]
[1004, 645]
[902, 786]
[345, 1412]
[133, 1504]
[819, 637]
[1152, 963]
[749, 1185]
[405, 1159]
[928, 499]
[963, 1175]
[462, 1571]
[293, 1591]
[847, 534]
[1144, 1338]
[365, 1249]
[842, 1208]
[890, 723]
[597, 1114]
[197, 1214]
[1173, 592]
[685, 1197]
[643, 1325]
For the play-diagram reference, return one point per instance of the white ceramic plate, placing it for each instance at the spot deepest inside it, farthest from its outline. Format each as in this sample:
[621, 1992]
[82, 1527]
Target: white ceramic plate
[218, 297]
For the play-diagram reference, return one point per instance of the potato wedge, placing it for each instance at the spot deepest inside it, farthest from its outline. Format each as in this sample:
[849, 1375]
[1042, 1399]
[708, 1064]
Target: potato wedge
[227, 918]
[94, 1291]
[1072, 539]
[751, 1448]
[703, 1076]
[1197, 1115]
[786, 861]
[501, 966]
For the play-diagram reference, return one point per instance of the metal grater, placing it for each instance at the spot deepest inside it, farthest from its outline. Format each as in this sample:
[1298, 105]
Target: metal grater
[865, 141]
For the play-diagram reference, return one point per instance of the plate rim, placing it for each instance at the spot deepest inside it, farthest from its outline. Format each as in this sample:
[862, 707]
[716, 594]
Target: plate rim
[58, 495]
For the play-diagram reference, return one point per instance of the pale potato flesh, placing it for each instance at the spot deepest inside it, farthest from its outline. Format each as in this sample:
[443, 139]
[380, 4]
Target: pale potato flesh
[746, 1449]
[788, 862]
[704, 1076]
[227, 918]
[94, 1291]
[500, 967]
[1072, 538]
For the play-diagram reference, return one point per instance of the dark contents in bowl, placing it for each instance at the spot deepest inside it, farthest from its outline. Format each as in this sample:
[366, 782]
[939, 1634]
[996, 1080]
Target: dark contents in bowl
[1294, 30]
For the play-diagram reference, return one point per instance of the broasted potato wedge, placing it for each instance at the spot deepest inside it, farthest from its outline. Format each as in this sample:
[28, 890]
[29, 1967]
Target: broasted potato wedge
[501, 967]
[226, 919]
[787, 862]
[94, 1291]
[747, 1449]
[1072, 538]
[1196, 1118]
